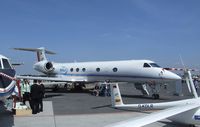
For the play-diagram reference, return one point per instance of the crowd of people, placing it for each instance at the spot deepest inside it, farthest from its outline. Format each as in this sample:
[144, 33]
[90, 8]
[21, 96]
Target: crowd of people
[34, 94]
[101, 90]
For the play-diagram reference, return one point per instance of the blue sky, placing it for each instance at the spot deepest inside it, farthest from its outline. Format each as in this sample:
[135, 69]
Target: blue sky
[95, 30]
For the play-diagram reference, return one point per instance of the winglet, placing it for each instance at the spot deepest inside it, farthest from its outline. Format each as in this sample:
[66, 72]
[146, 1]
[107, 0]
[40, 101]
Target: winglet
[116, 98]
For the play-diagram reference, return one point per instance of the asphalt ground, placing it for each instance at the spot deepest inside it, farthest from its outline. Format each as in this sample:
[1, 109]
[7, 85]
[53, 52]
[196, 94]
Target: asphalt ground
[66, 103]
[81, 109]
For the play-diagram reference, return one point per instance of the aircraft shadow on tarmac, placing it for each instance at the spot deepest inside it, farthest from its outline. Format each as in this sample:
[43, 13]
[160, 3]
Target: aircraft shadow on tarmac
[52, 95]
[119, 109]
[141, 97]
[62, 90]
[103, 106]
[129, 110]
[6, 117]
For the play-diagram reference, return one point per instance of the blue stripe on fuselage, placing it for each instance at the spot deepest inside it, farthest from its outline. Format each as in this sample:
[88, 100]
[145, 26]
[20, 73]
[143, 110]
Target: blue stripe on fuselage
[106, 75]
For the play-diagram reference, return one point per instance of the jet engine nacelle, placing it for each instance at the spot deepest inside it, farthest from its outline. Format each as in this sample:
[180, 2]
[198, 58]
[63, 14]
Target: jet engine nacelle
[191, 117]
[44, 67]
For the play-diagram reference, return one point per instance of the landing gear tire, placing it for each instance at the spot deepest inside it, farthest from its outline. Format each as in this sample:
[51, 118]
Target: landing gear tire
[155, 96]
[192, 125]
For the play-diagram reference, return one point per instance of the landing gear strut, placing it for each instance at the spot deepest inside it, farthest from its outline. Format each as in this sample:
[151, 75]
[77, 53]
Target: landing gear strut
[155, 88]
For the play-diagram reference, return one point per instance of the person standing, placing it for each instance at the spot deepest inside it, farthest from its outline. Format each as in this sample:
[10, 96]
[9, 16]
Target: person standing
[22, 89]
[26, 91]
[41, 95]
[15, 96]
[196, 84]
[35, 97]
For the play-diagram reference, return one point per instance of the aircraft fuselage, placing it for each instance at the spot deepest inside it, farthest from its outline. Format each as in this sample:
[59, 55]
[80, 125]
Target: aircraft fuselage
[114, 71]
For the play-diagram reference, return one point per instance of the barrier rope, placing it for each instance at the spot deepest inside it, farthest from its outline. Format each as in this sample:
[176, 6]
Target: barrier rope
[13, 79]
[7, 76]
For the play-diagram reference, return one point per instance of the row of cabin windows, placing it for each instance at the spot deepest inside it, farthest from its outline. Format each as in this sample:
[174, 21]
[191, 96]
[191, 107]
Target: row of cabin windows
[97, 69]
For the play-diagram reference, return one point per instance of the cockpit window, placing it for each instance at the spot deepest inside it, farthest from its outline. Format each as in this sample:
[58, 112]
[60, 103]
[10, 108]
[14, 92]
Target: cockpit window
[146, 65]
[6, 64]
[154, 65]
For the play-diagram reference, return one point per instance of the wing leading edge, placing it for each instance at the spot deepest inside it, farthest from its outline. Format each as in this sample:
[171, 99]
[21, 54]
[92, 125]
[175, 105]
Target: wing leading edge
[81, 79]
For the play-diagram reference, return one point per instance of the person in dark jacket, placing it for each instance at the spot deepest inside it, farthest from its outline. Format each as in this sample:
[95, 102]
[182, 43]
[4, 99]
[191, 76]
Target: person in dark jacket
[41, 96]
[35, 97]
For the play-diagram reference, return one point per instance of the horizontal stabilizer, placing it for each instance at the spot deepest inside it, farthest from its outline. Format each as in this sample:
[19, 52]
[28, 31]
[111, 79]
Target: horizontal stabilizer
[40, 52]
[35, 50]
[17, 64]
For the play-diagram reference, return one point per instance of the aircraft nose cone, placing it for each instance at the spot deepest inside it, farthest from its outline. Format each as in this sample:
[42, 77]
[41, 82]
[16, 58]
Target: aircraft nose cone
[171, 76]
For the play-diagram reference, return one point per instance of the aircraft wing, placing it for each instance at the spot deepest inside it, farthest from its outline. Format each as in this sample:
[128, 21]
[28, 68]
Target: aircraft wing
[57, 79]
[153, 117]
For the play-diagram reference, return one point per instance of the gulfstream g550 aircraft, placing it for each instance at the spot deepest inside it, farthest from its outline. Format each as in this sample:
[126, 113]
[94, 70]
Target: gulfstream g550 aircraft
[141, 71]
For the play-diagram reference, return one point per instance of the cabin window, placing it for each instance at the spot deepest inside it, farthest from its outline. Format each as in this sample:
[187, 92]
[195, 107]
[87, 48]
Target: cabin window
[115, 69]
[98, 69]
[146, 65]
[83, 69]
[71, 69]
[6, 64]
[77, 69]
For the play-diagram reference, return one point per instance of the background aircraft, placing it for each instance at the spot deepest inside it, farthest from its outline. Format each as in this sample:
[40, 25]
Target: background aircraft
[135, 71]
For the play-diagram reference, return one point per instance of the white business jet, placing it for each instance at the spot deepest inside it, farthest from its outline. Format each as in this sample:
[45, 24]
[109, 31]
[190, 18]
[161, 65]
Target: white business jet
[7, 78]
[142, 71]
[183, 111]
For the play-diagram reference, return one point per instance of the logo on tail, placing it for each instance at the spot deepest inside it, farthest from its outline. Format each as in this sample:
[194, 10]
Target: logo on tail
[116, 96]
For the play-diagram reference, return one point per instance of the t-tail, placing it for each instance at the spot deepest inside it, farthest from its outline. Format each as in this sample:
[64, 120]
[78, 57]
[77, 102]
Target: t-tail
[116, 98]
[41, 52]
[43, 65]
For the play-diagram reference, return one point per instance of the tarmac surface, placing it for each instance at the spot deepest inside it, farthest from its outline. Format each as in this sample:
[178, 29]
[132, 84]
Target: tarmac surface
[71, 109]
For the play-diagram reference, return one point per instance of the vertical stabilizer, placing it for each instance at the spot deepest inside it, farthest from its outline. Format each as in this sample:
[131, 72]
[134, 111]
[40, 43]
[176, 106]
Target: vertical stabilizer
[41, 54]
[116, 98]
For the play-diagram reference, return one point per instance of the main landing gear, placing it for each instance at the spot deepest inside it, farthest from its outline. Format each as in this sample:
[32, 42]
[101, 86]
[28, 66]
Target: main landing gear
[154, 88]
[150, 89]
